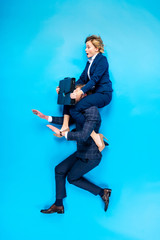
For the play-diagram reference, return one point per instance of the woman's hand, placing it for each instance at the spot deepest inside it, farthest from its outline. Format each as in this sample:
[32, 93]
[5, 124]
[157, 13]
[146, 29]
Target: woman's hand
[73, 95]
[39, 114]
[57, 90]
[77, 93]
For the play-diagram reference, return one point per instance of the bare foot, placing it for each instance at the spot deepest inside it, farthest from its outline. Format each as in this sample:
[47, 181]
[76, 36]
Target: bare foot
[98, 140]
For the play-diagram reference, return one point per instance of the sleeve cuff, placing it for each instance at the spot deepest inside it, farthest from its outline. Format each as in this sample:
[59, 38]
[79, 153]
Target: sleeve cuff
[83, 90]
[66, 134]
[50, 119]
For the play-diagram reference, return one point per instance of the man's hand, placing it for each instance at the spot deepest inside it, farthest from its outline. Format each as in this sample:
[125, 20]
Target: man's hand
[77, 93]
[57, 90]
[39, 114]
[54, 129]
[73, 95]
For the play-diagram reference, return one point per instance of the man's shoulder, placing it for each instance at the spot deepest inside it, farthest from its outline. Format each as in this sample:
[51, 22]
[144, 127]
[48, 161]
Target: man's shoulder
[92, 112]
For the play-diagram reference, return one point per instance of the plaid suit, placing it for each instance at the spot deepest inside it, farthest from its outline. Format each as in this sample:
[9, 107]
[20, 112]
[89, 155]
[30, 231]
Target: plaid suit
[84, 159]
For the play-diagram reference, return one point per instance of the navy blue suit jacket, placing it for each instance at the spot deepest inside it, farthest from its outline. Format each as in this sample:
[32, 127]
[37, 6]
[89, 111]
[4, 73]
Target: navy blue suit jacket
[86, 147]
[99, 76]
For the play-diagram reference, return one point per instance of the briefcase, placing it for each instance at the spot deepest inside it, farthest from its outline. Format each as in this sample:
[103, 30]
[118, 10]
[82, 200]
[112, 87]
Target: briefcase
[67, 86]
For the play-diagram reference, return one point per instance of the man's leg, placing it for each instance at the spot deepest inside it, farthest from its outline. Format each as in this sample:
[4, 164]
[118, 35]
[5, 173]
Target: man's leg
[61, 171]
[75, 175]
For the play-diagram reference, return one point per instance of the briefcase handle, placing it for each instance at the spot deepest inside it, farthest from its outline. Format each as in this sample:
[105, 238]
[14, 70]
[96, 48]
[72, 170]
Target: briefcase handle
[71, 89]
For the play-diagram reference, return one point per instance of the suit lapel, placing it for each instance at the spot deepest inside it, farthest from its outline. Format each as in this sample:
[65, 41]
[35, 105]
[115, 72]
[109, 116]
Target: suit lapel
[86, 74]
[94, 64]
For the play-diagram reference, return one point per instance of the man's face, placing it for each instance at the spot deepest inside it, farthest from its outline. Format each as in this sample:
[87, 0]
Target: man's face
[91, 50]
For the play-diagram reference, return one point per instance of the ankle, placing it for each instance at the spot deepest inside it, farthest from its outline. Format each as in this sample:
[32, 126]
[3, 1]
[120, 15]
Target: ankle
[64, 127]
[98, 140]
[101, 193]
[59, 202]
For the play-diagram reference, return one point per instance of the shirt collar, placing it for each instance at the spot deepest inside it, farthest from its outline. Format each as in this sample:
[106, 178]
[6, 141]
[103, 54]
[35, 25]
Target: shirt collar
[91, 59]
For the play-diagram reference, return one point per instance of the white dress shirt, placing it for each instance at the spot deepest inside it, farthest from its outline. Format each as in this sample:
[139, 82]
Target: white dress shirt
[90, 60]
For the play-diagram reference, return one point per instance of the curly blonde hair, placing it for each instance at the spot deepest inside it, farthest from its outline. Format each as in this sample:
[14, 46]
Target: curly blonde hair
[96, 41]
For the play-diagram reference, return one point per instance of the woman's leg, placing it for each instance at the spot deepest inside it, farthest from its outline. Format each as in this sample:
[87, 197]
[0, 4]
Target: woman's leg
[65, 125]
[66, 121]
[66, 118]
[97, 99]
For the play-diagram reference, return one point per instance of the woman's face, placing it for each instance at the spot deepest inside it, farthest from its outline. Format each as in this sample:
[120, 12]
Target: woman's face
[91, 50]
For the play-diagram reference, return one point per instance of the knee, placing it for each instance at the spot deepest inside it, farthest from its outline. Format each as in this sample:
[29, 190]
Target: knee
[76, 108]
[70, 178]
[72, 111]
[58, 170]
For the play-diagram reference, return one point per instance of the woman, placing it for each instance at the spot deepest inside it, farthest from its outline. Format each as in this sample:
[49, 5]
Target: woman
[96, 78]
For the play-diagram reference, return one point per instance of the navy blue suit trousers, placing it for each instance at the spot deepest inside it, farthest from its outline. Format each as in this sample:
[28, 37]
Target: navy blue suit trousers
[74, 168]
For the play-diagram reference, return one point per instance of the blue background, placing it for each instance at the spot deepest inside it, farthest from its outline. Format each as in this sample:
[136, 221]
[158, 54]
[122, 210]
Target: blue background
[42, 42]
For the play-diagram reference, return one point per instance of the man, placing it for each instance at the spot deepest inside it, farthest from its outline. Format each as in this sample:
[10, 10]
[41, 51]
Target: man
[79, 163]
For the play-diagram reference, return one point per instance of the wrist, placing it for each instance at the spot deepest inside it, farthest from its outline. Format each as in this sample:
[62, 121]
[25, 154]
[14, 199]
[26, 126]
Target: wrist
[63, 133]
[81, 92]
[46, 117]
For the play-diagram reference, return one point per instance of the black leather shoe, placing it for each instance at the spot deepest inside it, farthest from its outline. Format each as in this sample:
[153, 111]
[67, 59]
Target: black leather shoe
[105, 197]
[54, 209]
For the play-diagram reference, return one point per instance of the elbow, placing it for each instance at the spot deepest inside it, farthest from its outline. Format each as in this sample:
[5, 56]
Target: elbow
[84, 138]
